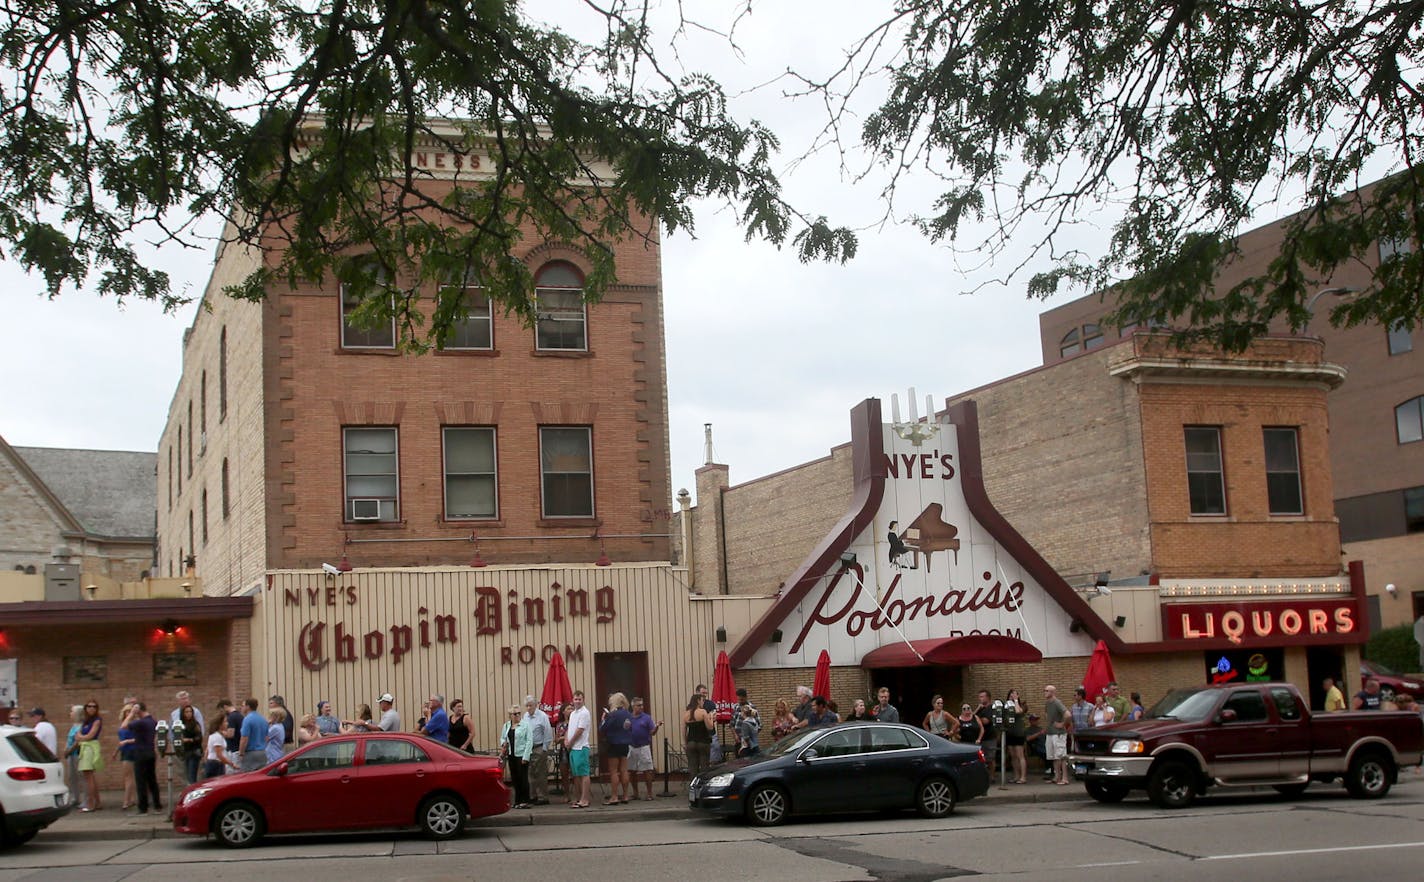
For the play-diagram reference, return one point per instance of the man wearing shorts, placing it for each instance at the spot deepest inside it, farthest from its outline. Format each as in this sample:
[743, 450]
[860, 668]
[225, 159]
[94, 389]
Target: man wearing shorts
[1055, 743]
[640, 753]
[576, 741]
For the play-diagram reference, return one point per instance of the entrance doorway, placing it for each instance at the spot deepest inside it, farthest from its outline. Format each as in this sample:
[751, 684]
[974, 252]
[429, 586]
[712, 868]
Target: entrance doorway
[912, 689]
[1322, 662]
[625, 672]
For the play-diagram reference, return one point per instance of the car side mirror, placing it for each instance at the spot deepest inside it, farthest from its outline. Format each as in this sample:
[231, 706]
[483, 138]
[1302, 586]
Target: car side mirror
[282, 769]
[1227, 715]
[808, 754]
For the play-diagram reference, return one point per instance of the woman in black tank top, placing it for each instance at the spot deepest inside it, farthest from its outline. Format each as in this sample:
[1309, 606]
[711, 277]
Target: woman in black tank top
[697, 735]
[969, 731]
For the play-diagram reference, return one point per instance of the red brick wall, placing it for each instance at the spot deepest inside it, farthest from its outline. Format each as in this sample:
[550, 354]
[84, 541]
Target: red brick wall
[128, 649]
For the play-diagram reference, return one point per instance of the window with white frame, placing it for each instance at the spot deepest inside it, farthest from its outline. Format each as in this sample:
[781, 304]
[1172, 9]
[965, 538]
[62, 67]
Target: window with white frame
[566, 471]
[1409, 420]
[471, 484]
[356, 332]
[1283, 493]
[1206, 484]
[562, 319]
[372, 469]
[476, 330]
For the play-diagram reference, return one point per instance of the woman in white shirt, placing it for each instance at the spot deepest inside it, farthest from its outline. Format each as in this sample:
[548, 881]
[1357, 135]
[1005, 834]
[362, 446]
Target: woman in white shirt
[1102, 711]
[216, 760]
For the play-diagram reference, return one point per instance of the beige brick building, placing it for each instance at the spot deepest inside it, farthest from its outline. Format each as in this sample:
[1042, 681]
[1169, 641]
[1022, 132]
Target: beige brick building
[1376, 461]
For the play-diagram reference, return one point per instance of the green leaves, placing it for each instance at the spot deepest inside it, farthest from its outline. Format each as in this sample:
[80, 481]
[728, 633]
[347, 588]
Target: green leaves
[310, 128]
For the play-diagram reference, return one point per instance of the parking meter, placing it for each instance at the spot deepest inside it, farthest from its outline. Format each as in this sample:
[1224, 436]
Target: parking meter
[996, 713]
[160, 737]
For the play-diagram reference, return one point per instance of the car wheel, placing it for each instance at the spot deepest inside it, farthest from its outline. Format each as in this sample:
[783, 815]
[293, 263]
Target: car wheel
[1290, 791]
[768, 806]
[238, 825]
[10, 840]
[442, 817]
[1370, 776]
[1172, 785]
[1104, 791]
[936, 798]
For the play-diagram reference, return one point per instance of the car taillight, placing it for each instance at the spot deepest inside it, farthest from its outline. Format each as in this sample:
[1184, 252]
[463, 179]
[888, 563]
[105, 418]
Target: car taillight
[981, 758]
[496, 773]
[26, 773]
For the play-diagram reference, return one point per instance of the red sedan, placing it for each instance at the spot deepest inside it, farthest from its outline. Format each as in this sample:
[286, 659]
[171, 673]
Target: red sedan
[348, 782]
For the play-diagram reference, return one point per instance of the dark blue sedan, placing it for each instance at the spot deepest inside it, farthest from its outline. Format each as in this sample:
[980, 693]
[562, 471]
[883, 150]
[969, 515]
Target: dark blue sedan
[852, 767]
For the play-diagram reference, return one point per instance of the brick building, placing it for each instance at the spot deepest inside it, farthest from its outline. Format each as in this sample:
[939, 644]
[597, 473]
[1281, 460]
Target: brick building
[1376, 443]
[1141, 495]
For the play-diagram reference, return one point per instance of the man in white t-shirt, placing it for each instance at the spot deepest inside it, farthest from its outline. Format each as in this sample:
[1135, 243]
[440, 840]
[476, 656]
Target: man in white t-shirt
[580, 722]
[390, 718]
[44, 730]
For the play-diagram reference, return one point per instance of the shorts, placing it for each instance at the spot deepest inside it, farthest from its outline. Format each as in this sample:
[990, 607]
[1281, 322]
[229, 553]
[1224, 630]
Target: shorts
[1056, 746]
[640, 759]
[578, 762]
[615, 751]
[1013, 740]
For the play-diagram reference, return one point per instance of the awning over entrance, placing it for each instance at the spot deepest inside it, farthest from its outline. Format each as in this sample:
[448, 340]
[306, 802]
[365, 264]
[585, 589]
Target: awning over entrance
[969, 650]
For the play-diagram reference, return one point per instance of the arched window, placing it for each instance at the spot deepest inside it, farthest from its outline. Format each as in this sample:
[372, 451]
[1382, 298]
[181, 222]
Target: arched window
[1092, 336]
[222, 375]
[1409, 420]
[225, 491]
[1070, 344]
[562, 319]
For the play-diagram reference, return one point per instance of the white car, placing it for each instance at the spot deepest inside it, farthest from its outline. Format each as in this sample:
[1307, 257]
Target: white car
[33, 794]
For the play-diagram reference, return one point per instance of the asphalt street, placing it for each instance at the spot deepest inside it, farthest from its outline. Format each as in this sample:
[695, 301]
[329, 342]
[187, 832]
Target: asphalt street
[1323, 836]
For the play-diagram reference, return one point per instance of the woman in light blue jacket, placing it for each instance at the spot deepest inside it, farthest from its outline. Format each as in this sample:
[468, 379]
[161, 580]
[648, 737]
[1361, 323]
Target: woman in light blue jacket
[516, 743]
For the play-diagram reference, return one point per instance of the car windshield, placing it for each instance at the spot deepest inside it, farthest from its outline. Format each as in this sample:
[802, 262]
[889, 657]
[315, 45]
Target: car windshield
[31, 749]
[1184, 704]
[1382, 670]
[794, 742]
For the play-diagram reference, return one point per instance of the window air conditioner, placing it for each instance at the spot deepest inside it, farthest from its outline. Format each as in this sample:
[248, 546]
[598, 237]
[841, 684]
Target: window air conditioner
[365, 509]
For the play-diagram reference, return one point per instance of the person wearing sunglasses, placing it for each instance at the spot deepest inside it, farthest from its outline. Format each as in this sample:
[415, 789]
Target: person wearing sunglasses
[90, 759]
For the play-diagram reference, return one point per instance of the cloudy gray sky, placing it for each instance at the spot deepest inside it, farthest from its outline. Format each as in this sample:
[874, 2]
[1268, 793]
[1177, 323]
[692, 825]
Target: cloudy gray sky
[772, 352]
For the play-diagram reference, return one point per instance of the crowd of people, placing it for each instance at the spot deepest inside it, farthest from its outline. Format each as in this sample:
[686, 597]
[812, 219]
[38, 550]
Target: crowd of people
[530, 741]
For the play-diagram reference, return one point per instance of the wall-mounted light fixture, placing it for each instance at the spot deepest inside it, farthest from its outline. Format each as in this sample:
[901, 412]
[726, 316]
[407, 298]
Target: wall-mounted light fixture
[477, 561]
[603, 559]
[344, 565]
[169, 626]
[847, 559]
[721, 633]
[92, 589]
[776, 636]
[187, 589]
[1119, 621]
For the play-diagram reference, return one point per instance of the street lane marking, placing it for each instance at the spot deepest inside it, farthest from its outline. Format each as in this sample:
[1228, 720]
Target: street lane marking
[1340, 848]
[1107, 864]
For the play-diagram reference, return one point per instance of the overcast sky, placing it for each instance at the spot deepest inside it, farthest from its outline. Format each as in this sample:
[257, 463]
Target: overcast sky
[773, 353]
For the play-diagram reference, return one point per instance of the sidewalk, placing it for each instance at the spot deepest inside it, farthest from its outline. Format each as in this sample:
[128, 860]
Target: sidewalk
[112, 823]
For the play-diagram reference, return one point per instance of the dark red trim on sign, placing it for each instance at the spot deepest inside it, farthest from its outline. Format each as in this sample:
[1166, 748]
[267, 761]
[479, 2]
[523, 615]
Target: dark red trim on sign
[972, 649]
[965, 417]
[868, 459]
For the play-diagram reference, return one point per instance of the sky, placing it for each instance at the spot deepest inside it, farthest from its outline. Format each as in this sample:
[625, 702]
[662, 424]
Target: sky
[772, 352]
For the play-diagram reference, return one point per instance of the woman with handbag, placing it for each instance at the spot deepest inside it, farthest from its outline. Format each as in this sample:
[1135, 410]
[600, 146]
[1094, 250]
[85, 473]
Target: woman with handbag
[516, 743]
[91, 760]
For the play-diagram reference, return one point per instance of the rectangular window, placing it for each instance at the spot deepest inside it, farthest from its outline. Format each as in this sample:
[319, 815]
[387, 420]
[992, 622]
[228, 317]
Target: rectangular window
[1283, 472]
[357, 334]
[205, 515]
[1399, 340]
[561, 322]
[170, 478]
[175, 669]
[566, 471]
[471, 488]
[86, 670]
[372, 471]
[476, 331]
[1206, 486]
[1408, 421]
[1414, 509]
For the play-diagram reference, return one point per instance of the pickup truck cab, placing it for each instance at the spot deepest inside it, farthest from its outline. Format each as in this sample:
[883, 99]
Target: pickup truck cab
[1244, 735]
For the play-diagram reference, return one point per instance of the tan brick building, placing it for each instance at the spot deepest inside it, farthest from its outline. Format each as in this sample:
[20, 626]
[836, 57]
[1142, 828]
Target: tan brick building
[1376, 453]
[1191, 484]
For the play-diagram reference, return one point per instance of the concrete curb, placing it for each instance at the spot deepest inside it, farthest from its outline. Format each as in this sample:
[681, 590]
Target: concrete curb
[112, 825]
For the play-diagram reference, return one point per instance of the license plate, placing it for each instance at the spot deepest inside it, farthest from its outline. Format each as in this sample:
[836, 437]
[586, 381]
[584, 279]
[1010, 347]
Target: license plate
[1080, 769]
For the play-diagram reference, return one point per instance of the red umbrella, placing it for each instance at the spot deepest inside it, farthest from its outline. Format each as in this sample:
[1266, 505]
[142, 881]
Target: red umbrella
[558, 691]
[822, 685]
[1100, 672]
[724, 689]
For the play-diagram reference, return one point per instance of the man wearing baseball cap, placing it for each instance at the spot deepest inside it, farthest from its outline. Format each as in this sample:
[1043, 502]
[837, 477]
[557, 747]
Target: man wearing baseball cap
[44, 730]
[390, 719]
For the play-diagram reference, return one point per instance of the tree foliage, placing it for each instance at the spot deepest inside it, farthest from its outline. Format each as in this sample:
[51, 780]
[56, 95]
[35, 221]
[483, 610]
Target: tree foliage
[1188, 115]
[299, 120]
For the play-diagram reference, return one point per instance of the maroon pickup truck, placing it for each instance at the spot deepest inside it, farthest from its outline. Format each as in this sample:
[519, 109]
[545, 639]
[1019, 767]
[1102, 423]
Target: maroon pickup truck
[1241, 735]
